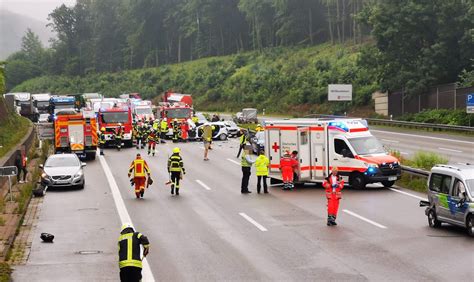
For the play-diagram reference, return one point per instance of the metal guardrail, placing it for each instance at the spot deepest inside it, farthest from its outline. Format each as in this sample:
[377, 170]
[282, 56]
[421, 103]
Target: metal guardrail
[423, 125]
[415, 171]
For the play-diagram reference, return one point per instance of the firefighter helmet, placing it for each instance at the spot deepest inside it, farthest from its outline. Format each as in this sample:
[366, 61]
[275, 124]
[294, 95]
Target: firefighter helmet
[120, 124]
[176, 150]
[102, 129]
[125, 226]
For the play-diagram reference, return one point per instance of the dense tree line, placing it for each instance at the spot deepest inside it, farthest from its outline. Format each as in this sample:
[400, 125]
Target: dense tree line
[412, 43]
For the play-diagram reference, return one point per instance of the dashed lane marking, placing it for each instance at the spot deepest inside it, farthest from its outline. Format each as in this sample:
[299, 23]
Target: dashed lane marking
[122, 211]
[408, 194]
[449, 150]
[390, 141]
[232, 161]
[251, 220]
[203, 185]
[365, 219]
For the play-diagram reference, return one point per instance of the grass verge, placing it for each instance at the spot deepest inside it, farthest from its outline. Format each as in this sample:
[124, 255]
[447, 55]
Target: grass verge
[5, 272]
[12, 130]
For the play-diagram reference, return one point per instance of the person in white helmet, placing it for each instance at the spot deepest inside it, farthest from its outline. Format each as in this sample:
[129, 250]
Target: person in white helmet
[130, 261]
[118, 135]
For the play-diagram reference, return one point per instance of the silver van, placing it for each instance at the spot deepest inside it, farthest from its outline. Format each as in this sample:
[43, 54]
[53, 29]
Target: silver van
[451, 196]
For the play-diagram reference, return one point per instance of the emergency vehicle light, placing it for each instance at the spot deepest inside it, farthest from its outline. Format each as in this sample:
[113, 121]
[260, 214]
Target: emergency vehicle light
[339, 125]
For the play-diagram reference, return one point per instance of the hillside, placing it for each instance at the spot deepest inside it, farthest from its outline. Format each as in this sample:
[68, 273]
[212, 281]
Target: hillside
[278, 79]
[13, 27]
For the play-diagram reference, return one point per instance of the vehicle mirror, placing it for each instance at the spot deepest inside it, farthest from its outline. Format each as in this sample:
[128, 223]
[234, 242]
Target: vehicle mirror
[424, 204]
[41, 166]
[83, 164]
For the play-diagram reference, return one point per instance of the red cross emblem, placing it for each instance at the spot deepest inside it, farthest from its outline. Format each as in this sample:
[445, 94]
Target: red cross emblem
[275, 147]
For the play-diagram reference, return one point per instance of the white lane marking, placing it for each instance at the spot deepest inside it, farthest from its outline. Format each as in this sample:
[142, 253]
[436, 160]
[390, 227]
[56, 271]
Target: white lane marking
[203, 185]
[420, 136]
[408, 194]
[122, 211]
[449, 150]
[390, 141]
[251, 220]
[232, 161]
[404, 153]
[365, 219]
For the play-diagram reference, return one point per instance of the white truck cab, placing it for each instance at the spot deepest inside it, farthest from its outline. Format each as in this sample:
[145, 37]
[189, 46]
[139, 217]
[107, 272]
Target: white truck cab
[326, 143]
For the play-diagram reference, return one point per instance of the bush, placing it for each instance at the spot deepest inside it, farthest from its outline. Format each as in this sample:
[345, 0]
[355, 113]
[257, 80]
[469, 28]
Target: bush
[426, 160]
[443, 116]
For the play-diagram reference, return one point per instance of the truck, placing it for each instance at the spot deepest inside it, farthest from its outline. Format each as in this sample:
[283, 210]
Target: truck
[171, 97]
[28, 110]
[41, 102]
[109, 118]
[326, 143]
[20, 98]
[76, 132]
[58, 103]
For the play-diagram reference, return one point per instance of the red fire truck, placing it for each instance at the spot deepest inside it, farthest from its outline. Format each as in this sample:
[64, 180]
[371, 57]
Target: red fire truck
[75, 133]
[109, 118]
[176, 106]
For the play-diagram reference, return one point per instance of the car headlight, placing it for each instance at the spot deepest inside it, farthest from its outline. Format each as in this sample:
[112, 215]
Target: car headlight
[78, 174]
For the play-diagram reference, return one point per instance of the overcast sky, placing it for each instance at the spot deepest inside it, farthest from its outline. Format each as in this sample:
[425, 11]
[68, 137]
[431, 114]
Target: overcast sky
[38, 9]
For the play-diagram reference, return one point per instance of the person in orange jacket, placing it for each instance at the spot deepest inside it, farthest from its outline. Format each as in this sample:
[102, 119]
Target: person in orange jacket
[184, 131]
[287, 168]
[141, 171]
[333, 186]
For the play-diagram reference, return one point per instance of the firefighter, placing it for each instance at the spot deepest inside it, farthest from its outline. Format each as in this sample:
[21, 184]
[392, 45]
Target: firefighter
[130, 261]
[333, 186]
[118, 135]
[243, 141]
[176, 128]
[141, 171]
[153, 138]
[262, 164]
[287, 168]
[102, 140]
[138, 135]
[164, 128]
[259, 128]
[176, 170]
[134, 131]
[184, 131]
[146, 132]
[156, 125]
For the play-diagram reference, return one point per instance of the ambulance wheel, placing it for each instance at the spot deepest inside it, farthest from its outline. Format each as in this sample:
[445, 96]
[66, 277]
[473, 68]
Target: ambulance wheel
[357, 181]
[433, 220]
[387, 183]
[470, 225]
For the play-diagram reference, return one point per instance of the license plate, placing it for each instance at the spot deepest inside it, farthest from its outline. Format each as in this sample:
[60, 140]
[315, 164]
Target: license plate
[392, 178]
[62, 182]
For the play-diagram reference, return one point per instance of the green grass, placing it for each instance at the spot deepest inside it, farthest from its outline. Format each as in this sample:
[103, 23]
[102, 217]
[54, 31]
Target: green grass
[12, 130]
[412, 182]
[5, 272]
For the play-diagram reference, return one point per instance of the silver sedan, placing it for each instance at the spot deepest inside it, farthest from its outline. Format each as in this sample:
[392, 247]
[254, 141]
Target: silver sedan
[63, 170]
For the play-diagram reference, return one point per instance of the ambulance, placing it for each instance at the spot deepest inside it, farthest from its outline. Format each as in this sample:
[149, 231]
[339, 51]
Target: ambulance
[326, 143]
[76, 132]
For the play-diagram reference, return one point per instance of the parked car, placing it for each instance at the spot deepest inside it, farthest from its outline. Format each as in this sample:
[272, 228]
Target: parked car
[232, 128]
[451, 196]
[257, 141]
[219, 132]
[63, 170]
[43, 118]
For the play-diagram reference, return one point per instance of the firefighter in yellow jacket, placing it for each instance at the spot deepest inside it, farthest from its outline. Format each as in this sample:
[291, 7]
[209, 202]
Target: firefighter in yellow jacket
[141, 171]
[130, 261]
[176, 170]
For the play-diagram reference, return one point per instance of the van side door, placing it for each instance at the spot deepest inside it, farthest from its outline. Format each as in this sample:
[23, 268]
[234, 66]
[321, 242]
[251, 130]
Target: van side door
[456, 201]
[273, 148]
[439, 186]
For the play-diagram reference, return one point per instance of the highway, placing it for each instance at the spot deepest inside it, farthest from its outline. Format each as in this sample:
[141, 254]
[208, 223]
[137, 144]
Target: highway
[212, 232]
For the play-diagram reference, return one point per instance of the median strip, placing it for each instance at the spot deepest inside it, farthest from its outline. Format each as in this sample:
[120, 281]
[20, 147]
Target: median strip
[203, 185]
[251, 220]
[365, 219]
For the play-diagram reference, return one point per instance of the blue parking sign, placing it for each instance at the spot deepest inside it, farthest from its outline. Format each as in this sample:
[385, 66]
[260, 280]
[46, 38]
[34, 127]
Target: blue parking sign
[470, 103]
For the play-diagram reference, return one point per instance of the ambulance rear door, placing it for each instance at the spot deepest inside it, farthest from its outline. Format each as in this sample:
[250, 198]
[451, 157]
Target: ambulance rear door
[273, 148]
[318, 152]
[304, 153]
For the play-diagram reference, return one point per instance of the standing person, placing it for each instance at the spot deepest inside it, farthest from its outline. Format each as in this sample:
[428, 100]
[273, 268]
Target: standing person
[333, 186]
[118, 135]
[130, 261]
[176, 128]
[287, 168]
[243, 141]
[184, 131]
[246, 163]
[206, 138]
[262, 163]
[102, 140]
[141, 171]
[153, 138]
[176, 170]
[20, 163]
[164, 128]
[294, 156]
[138, 136]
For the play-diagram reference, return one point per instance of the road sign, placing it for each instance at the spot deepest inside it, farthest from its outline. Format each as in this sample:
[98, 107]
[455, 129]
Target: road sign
[340, 92]
[8, 170]
[470, 103]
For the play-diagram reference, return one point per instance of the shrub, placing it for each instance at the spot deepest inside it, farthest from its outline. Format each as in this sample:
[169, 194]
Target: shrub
[426, 160]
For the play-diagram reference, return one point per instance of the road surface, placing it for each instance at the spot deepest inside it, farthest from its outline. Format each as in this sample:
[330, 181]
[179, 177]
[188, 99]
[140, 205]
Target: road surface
[212, 232]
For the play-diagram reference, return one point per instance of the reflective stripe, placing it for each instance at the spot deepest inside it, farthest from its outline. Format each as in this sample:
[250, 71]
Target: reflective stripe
[129, 261]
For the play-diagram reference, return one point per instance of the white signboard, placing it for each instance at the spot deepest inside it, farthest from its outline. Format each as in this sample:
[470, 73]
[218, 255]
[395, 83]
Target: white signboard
[340, 92]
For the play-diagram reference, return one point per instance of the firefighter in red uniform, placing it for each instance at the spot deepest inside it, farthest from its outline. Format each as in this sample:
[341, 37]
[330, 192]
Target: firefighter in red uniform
[287, 168]
[141, 171]
[153, 137]
[184, 131]
[333, 185]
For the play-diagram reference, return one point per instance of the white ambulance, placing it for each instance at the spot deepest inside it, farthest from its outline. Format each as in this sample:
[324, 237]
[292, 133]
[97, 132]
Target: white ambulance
[324, 143]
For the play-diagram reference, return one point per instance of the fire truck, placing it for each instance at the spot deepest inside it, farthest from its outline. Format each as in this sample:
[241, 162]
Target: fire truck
[109, 118]
[75, 133]
[175, 106]
[326, 143]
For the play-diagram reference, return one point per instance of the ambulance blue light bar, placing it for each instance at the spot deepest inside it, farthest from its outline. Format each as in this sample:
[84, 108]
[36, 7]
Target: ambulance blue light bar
[339, 125]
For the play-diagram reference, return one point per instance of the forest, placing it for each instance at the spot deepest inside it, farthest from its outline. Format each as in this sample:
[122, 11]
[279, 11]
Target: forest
[406, 44]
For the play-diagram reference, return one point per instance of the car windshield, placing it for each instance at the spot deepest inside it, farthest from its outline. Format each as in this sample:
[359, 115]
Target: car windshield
[470, 186]
[62, 162]
[178, 113]
[143, 111]
[367, 145]
[115, 117]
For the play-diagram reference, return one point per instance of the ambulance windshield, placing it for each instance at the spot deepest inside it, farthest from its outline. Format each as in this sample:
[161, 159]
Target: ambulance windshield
[367, 145]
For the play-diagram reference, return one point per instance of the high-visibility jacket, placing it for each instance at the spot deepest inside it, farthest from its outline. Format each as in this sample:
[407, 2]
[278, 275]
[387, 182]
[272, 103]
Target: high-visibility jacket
[243, 139]
[101, 138]
[195, 120]
[156, 126]
[175, 163]
[207, 133]
[261, 165]
[246, 161]
[164, 126]
[129, 248]
[119, 133]
[140, 167]
[333, 189]
[153, 137]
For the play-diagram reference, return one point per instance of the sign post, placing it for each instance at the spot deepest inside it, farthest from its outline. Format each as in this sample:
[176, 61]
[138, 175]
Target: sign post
[9, 171]
[340, 92]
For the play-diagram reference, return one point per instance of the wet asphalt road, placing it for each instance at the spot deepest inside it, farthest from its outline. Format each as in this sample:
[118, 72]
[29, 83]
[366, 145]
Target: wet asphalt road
[202, 235]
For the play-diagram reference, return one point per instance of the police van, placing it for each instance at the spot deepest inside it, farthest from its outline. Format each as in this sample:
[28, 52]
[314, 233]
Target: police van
[325, 143]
